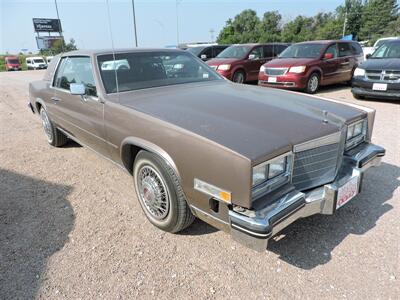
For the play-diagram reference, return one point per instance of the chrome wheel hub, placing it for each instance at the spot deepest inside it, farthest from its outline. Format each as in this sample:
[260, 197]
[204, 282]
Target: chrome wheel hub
[46, 126]
[313, 83]
[153, 192]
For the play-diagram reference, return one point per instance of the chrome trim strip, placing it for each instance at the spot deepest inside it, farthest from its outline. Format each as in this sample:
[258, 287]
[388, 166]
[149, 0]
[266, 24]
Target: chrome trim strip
[263, 235]
[322, 141]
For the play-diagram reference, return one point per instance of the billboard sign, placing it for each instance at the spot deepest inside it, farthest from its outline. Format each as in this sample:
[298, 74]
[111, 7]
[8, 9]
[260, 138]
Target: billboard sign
[46, 42]
[47, 25]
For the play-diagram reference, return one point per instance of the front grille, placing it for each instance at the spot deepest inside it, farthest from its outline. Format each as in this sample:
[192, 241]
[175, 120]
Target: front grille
[316, 166]
[275, 71]
[383, 75]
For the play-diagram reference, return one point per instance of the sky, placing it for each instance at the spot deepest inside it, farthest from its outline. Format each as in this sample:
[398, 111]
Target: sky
[156, 20]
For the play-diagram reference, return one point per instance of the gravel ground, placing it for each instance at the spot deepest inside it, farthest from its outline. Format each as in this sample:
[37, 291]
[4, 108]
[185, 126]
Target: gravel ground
[71, 227]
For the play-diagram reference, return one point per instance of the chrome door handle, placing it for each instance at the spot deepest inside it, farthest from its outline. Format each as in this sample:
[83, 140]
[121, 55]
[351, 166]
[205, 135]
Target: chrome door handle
[345, 63]
[56, 99]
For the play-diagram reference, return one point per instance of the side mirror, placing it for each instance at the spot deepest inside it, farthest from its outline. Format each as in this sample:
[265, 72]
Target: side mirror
[252, 56]
[368, 56]
[203, 56]
[77, 89]
[328, 56]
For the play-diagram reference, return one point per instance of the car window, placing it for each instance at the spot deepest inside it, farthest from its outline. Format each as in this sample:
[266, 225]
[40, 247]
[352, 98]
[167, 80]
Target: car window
[278, 49]
[218, 50]
[344, 49]
[153, 69]
[332, 49]
[356, 49]
[257, 52]
[75, 70]
[207, 52]
[268, 51]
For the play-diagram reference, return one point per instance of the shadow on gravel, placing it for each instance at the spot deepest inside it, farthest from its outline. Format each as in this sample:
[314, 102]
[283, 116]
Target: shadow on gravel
[198, 228]
[35, 220]
[309, 242]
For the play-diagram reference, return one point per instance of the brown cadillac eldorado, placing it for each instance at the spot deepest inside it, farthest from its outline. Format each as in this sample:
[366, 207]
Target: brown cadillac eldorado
[245, 159]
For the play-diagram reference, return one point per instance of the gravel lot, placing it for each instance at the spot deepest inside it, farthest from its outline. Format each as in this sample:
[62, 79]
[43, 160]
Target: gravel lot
[71, 227]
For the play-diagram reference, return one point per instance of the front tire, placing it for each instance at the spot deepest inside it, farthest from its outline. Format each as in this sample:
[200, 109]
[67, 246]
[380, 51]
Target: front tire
[313, 84]
[239, 77]
[160, 194]
[54, 136]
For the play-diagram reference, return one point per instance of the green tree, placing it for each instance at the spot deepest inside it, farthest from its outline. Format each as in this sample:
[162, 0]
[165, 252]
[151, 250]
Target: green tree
[244, 28]
[298, 30]
[376, 17]
[393, 28]
[270, 27]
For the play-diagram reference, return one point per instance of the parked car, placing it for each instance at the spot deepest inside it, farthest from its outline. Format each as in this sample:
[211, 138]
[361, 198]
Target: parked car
[12, 63]
[369, 50]
[246, 160]
[379, 75]
[241, 63]
[308, 65]
[35, 62]
[207, 52]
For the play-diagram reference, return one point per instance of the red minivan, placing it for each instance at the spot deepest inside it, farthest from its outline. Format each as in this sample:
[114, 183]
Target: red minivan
[241, 63]
[308, 65]
[12, 63]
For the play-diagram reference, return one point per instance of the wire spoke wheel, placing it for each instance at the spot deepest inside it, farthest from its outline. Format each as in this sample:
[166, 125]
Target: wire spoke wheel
[153, 192]
[46, 125]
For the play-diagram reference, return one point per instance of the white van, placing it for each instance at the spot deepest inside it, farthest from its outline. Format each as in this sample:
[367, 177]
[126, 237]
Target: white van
[35, 62]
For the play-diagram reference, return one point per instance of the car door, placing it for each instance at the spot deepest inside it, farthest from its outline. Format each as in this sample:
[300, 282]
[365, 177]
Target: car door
[253, 63]
[330, 65]
[347, 61]
[80, 116]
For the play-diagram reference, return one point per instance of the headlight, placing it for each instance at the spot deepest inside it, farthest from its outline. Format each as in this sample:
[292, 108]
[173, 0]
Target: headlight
[272, 174]
[359, 72]
[298, 69]
[356, 133]
[224, 67]
[262, 68]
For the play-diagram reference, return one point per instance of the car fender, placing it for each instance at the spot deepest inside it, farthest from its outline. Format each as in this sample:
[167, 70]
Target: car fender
[317, 69]
[140, 143]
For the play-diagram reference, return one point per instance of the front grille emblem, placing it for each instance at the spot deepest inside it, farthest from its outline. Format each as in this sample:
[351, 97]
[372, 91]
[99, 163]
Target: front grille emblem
[383, 75]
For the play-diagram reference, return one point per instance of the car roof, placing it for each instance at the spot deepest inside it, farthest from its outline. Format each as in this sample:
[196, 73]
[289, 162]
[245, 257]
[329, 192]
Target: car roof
[325, 42]
[123, 50]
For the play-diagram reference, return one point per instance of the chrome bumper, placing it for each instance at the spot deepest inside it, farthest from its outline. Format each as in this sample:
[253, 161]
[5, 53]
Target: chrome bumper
[255, 228]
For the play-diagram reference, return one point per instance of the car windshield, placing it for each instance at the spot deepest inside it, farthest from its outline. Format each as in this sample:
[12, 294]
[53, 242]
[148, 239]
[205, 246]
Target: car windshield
[303, 51]
[38, 61]
[387, 50]
[13, 61]
[140, 70]
[234, 52]
[195, 50]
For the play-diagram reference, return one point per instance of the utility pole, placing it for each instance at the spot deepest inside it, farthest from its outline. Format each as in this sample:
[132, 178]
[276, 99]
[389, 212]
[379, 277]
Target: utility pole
[212, 35]
[177, 2]
[134, 21]
[344, 24]
[59, 22]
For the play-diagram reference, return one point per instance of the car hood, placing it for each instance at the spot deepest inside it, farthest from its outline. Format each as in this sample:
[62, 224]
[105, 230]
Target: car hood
[258, 123]
[392, 64]
[289, 62]
[220, 61]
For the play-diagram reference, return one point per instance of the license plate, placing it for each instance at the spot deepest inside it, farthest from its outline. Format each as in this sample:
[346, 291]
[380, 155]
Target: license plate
[272, 79]
[379, 86]
[347, 192]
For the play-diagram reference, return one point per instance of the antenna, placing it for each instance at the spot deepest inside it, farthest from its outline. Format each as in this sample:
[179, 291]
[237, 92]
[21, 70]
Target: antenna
[112, 45]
